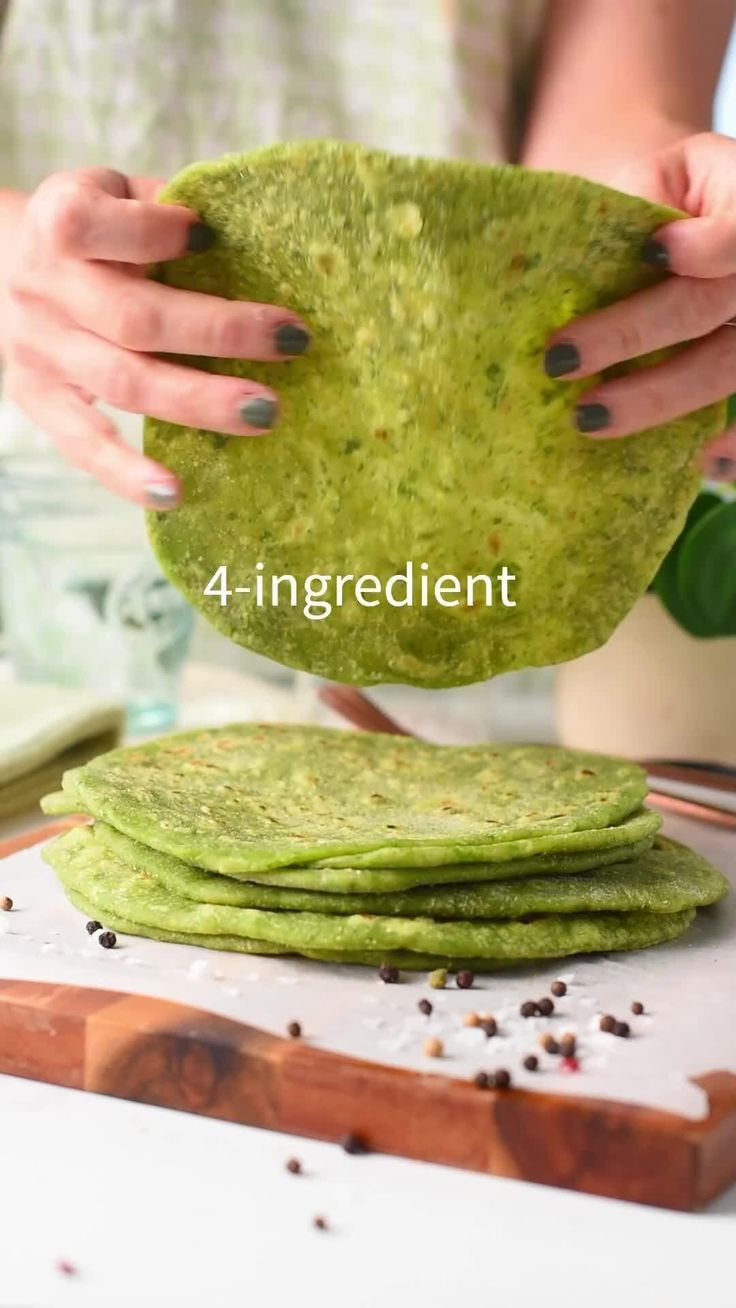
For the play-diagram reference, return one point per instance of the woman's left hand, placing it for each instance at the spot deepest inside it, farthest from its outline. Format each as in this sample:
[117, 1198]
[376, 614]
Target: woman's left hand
[698, 304]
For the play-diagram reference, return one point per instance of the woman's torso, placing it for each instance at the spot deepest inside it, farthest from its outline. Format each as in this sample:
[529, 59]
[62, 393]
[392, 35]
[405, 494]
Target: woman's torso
[149, 85]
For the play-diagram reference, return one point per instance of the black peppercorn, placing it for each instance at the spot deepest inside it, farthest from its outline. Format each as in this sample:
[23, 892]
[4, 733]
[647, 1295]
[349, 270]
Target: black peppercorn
[93, 926]
[531, 1062]
[352, 1144]
[558, 989]
[482, 1080]
[294, 1029]
[546, 1006]
[489, 1025]
[294, 1166]
[529, 1008]
[637, 1008]
[388, 973]
[425, 1007]
[607, 1022]
[107, 939]
[320, 1223]
[501, 1079]
[568, 1045]
[465, 979]
[622, 1029]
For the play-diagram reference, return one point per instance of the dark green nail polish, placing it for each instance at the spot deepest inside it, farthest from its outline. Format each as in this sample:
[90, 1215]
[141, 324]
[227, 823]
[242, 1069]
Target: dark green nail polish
[655, 253]
[259, 412]
[723, 469]
[592, 417]
[561, 359]
[199, 238]
[290, 338]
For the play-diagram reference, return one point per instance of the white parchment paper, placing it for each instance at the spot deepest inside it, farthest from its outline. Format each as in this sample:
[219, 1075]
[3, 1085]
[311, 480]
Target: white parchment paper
[688, 989]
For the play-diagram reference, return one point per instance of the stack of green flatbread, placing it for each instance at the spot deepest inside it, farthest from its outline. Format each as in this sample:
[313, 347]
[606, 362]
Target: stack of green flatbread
[359, 848]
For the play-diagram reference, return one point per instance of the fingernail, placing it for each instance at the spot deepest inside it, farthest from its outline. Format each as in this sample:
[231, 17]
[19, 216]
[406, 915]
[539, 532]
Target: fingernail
[561, 359]
[655, 253]
[290, 338]
[162, 494]
[722, 469]
[592, 417]
[199, 238]
[259, 412]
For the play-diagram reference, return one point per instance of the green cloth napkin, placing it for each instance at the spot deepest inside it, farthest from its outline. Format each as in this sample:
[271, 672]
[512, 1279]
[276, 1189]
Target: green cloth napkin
[43, 731]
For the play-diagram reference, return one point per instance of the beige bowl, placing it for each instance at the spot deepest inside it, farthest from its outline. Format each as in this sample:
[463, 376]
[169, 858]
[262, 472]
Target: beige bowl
[652, 691]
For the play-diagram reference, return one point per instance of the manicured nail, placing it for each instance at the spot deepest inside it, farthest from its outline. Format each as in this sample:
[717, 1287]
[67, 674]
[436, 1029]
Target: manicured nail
[722, 469]
[290, 338]
[162, 494]
[592, 417]
[199, 238]
[655, 253]
[259, 412]
[561, 359]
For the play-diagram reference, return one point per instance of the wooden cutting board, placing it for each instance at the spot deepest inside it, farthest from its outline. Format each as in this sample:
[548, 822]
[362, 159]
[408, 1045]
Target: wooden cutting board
[157, 1052]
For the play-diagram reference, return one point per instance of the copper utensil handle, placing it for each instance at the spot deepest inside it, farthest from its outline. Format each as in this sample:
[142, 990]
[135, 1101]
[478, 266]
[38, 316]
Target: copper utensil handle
[355, 707]
[711, 775]
[44, 832]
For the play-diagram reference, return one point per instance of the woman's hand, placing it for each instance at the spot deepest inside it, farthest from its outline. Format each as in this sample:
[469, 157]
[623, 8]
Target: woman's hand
[84, 324]
[697, 304]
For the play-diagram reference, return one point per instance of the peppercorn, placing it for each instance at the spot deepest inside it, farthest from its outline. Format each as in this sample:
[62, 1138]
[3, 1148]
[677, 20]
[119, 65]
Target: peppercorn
[501, 1079]
[490, 1026]
[433, 1047]
[607, 1022]
[388, 973]
[549, 1043]
[529, 1008]
[320, 1223]
[569, 1065]
[93, 926]
[6, 903]
[482, 1080]
[294, 1166]
[568, 1044]
[107, 939]
[353, 1144]
[637, 1008]
[531, 1062]
[438, 978]
[66, 1267]
[558, 988]
[622, 1029]
[546, 1006]
[294, 1029]
[425, 1007]
[471, 1019]
[465, 979]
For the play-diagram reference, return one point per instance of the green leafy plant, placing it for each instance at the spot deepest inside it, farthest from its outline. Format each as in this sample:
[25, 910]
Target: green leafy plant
[697, 580]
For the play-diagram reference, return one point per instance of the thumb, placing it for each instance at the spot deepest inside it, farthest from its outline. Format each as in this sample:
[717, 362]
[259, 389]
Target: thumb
[699, 176]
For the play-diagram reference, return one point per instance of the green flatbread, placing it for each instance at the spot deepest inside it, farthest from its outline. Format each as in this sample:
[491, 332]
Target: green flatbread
[250, 798]
[421, 427]
[115, 890]
[377, 881]
[666, 879]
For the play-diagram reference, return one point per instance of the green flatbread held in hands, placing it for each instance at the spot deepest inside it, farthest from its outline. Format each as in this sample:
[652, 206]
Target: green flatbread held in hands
[117, 893]
[665, 879]
[421, 426]
[249, 798]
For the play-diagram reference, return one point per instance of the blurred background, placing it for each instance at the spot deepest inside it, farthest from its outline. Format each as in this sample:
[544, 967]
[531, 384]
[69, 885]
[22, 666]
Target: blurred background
[82, 604]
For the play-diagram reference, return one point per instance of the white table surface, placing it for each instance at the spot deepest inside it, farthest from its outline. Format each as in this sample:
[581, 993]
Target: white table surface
[156, 1207]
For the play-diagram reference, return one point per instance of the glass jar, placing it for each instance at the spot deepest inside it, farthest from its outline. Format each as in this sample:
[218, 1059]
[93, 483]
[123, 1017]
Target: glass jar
[84, 602]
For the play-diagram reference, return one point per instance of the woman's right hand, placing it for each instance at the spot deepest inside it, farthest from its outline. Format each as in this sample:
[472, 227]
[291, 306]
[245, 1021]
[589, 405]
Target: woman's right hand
[85, 324]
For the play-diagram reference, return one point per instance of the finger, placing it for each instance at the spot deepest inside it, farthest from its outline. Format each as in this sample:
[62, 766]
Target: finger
[143, 315]
[679, 309]
[695, 247]
[90, 441]
[89, 215]
[718, 459]
[697, 376]
[141, 383]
